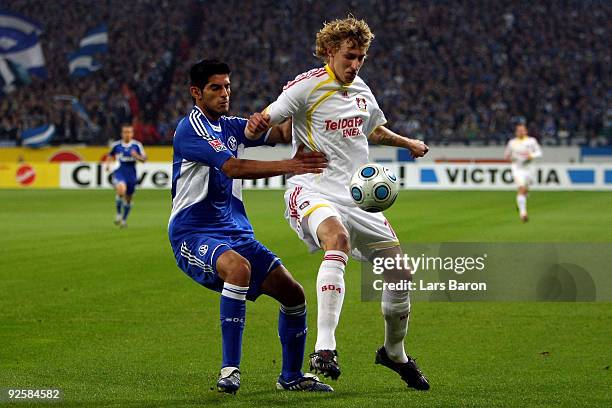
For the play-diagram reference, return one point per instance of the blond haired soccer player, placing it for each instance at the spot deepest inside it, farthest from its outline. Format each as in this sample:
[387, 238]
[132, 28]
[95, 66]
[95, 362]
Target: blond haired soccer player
[522, 149]
[334, 112]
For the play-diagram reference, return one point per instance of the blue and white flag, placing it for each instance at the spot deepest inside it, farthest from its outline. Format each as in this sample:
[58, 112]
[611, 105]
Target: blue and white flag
[79, 109]
[38, 137]
[95, 40]
[19, 43]
[16, 21]
[11, 75]
[82, 64]
[8, 79]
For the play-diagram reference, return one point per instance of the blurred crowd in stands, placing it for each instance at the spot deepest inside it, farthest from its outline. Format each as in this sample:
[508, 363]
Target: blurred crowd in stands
[446, 71]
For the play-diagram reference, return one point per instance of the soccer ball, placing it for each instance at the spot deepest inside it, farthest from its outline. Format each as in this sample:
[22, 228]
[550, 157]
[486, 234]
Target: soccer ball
[374, 187]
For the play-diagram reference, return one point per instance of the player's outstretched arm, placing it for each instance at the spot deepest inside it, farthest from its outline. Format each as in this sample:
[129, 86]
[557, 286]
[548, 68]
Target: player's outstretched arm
[302, 162]
[383, 136]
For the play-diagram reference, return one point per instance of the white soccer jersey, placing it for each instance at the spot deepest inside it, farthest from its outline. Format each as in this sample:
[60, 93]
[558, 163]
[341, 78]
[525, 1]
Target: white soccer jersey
[333, 118]
[521, 151]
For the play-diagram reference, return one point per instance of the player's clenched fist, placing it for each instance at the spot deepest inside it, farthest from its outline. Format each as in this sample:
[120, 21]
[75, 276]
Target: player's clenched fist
[257, 124]
[418, 148]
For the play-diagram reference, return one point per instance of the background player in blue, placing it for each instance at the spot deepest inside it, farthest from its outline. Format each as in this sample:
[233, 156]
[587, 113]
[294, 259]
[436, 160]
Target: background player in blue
[211, 236]
[128, 152]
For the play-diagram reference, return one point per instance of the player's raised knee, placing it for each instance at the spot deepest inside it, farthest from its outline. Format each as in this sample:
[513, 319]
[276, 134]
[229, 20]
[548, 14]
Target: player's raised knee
[292, 294]
[338, 241]
[296, 292]
[234, 268]
[280, 285]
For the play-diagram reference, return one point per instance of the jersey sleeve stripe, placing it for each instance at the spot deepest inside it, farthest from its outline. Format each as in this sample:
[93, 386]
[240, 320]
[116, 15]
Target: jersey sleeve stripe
[312, 73]
[198, 126]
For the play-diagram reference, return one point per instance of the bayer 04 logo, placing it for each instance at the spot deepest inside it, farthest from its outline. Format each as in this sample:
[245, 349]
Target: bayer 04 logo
[374, 187]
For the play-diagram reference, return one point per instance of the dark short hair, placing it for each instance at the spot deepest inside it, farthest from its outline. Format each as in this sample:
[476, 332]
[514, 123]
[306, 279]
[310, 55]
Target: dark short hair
[200, 73]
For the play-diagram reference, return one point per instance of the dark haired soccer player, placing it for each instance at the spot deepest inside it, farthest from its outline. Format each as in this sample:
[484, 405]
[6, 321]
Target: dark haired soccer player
[210, 233]
[128, 151]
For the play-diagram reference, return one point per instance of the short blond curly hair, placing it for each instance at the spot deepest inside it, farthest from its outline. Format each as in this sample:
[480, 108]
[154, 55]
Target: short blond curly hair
[335, 32]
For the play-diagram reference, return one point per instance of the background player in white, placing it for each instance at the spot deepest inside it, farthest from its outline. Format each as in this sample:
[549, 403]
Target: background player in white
[522, 149]
[128, 151]
[334, 112]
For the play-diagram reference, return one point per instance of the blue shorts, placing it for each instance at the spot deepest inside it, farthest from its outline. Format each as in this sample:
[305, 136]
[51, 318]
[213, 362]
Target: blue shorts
[197, 257]
[130, 182]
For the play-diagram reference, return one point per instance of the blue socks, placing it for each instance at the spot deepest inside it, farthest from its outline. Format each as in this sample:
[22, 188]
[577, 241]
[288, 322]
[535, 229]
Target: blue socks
[233, 311]
[292, 332]
[118, 204]
[126, 210]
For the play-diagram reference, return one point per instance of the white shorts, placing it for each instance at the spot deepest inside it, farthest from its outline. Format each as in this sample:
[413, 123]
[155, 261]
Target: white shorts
[369, 232]
[522, 177]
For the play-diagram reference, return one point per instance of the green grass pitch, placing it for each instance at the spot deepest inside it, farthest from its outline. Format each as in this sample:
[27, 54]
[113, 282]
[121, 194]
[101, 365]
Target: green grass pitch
[107, 316]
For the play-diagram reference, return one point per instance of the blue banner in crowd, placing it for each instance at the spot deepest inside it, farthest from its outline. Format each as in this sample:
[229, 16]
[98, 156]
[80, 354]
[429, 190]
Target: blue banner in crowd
[38, 137]
[95, 40]
[82, 64]
[19, 44]
[16, 21]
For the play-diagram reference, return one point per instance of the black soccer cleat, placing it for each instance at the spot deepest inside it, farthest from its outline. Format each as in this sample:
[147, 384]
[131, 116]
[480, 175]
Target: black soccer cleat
[229, 380]
[409, 371]
[307, 382]
[326, 363]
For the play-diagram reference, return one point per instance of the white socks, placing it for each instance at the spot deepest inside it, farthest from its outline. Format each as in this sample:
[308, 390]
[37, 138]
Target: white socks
[396, 310]
[521, 202]
[330, 295]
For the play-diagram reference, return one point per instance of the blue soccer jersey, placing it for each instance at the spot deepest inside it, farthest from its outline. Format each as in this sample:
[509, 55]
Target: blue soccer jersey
[204, 200]
[127, 164]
